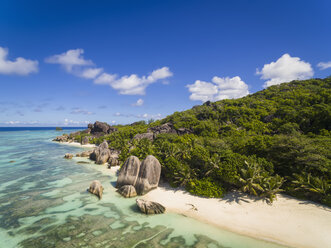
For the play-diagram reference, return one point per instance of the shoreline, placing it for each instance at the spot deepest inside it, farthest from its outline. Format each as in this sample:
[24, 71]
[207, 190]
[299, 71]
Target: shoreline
[76, 144]
[288, 221]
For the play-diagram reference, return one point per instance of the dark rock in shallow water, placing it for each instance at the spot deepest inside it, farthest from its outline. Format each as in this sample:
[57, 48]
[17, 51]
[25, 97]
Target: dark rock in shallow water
[68, 156]
[129, 172]
[82, 162]
[96, 188]
[149, 207]
[127, 191]
[149, 175]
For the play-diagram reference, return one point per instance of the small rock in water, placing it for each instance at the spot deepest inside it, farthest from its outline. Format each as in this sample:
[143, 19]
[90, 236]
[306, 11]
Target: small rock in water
[68, 156]
[82, 162]
[96, 188]
[127, 191]
[149, 207]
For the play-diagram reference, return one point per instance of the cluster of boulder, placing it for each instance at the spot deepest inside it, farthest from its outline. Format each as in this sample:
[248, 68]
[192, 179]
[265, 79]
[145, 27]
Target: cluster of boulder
[143, 176]
[95, 130]
[169, 128]
[138, 178]
[102, 154]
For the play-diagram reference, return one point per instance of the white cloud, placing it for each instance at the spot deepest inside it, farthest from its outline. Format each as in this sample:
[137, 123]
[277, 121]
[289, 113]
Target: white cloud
[218, 89]
[69, 59]
[133, 85]
[285, 69]
[73, 61]
[324, 65]
[91, 73]
[149, 116]
[20, 66]
[81, 111]
[138, 103]
[73, 122]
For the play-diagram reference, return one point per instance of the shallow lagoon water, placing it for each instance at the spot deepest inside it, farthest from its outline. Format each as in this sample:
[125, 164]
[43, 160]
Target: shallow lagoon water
[44, 203]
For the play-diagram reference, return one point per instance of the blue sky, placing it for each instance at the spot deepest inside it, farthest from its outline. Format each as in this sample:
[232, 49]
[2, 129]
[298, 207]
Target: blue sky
[72, 62]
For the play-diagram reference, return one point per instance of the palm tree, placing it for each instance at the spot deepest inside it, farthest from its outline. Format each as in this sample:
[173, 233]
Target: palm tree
[184, 176]
[312, 184]
[271, 186]
[250, 179]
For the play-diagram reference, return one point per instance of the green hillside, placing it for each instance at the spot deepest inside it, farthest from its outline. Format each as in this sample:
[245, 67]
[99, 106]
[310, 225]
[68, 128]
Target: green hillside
[278, 139]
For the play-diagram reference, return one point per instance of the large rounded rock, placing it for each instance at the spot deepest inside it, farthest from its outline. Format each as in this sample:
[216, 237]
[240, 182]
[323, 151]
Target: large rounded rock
[96, 188]
[101, 154]
[129, 172]
[149, 207]
[85, 140]
[127, 191]
[149, 175]
[113, 162]
[68, 156]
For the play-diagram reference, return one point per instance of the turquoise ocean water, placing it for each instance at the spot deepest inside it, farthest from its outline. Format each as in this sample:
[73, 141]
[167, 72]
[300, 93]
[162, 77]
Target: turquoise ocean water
[44, 203]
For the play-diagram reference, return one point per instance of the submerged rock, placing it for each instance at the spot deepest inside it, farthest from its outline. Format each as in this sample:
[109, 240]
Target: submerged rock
[127, 191]
[68, 156]
[84, 153]
[129, 172]
[96, 188]
[149, 207]
[149, 175]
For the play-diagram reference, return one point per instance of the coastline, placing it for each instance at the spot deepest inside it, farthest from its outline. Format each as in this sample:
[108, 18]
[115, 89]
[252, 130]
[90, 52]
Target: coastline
[76, 144]
[288, 221]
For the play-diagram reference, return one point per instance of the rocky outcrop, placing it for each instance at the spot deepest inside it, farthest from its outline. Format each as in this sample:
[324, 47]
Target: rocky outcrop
[149, 136]
[68, 156]
[62, 138]
[127, 191]
[85, 140]
[101, 154]
[129, 172]
[169, 128]
[149, 175]
[101, 128]
[113, 162]
[149, 207]
[165, 128]
[96, 188]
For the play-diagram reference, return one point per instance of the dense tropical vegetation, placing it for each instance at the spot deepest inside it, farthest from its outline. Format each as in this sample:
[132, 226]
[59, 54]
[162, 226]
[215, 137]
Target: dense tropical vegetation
[276, 140]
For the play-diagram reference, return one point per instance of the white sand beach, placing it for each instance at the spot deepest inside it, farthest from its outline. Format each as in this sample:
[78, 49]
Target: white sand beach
[78, 144]
[287, 221]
